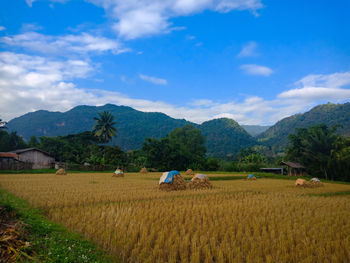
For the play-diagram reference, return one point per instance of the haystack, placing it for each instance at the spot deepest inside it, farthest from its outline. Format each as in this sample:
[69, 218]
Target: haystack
[118, 173]
[200, 181]
[144, 170]
[300, 182]
[189, 172]
[251, 177]
[172, 181]
[61, 171]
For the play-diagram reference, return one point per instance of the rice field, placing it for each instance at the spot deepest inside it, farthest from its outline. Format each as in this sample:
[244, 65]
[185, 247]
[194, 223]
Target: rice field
[266, 220]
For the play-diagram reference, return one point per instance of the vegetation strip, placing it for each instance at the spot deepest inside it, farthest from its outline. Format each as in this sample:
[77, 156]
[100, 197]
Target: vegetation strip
[331, 194]
[51, 242]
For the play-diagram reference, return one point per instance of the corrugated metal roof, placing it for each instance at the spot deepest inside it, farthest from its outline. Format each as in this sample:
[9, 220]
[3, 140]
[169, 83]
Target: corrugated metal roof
[30, 149]
[292, 164]
[8, 155]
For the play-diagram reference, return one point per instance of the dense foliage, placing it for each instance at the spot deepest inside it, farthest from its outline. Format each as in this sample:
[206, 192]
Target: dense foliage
[330, 114]
[10, 141]
[225, 137]
[183, 148]
[324, 153]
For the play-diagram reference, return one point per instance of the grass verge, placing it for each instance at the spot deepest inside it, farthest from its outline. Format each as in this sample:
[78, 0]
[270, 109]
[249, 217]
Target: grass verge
[50, 241]
[331, 194]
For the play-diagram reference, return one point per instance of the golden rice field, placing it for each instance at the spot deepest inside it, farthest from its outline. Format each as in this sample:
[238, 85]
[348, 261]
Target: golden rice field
[266, 220]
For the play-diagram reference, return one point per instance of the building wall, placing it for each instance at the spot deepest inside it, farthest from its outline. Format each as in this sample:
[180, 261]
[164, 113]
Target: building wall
[39, 159]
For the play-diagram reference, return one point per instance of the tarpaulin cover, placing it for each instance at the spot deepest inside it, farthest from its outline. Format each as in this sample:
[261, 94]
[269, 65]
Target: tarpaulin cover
[118, 171]
[200, 176]
[250, 176]
[315, 180]
[168, 177]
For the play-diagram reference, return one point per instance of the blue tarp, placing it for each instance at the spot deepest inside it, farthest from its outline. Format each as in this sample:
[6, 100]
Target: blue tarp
[170, 177]
[250, 176]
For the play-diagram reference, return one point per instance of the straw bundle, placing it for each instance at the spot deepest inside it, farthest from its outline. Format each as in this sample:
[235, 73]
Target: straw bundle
[178, 183]
[189, 172]
[144, 170]
[251, 178]
[118, 173]
[61, 171]
[200, 183]
[300, 182]
[313, 184]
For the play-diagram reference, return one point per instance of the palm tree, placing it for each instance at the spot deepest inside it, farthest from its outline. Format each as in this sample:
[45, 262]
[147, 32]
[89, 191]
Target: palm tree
[104, 128]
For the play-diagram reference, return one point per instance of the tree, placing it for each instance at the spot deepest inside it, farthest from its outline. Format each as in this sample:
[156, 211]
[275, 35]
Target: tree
[104, 128]
[313, 147]
[183, 148]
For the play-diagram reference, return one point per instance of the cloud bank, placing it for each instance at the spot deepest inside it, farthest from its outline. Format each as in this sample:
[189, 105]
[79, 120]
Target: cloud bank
[29, 83]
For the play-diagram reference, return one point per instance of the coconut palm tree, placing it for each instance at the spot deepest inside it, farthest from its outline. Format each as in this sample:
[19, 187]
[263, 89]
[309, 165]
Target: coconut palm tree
[104, 128]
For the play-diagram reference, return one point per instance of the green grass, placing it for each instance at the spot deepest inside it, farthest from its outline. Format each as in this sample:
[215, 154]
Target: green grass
[332, 194]
[51, 242]
[46, 171]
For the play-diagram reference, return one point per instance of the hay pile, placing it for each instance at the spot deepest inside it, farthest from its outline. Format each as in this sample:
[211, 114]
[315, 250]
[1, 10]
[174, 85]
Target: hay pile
[13, 246]
[200, 181]
[118, 173]
[251, 177]
[314, 182]
[61, 171]
[144, 170]
[189, 172]
[300, 182]
[178, 183]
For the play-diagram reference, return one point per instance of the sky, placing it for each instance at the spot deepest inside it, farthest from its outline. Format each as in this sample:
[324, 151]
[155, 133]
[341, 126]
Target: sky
[255, 61]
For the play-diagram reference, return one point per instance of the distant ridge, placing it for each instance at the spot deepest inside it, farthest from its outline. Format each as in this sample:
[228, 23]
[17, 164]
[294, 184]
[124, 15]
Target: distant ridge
[133, 127]
[331, 114]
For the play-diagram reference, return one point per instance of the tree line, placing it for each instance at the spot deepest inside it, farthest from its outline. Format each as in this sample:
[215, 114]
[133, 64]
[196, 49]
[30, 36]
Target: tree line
[320, 149]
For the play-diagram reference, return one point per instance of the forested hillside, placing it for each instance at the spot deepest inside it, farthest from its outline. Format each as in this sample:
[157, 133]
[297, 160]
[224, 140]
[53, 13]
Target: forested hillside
[223, 137]
[329, 114]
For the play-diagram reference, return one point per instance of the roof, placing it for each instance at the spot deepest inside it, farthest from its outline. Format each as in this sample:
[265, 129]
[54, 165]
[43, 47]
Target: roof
[8, 155]
[30, 149]
[293, 165]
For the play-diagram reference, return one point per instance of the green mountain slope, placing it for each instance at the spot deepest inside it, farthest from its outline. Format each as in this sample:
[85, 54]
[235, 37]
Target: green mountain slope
[330, 114]
[133, 126]
[225, 137]
[255, 130]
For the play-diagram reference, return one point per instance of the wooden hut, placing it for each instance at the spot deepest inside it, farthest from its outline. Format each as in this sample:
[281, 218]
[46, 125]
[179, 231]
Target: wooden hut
[294, 169]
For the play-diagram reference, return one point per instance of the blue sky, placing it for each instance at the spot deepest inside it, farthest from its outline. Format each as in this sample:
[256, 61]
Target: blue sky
[254, 61]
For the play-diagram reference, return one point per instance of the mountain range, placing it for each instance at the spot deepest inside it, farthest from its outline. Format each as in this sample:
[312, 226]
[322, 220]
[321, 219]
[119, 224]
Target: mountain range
[224, 137]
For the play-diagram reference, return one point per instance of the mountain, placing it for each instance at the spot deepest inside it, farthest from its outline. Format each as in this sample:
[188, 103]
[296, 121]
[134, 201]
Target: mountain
[330, 114]
[223, 136]
[133, 126]
[255, 130]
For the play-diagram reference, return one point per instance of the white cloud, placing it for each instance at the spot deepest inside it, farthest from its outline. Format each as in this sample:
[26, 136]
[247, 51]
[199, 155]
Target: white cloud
[153, 80]
[248, 50]
[30, 2]
[253, 69]
[29, 83]
[2, 28]
[139, 18]
[83, 43]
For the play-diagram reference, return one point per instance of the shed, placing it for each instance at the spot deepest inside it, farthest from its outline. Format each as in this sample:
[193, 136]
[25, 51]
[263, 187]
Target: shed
[10, 161]
[39, 158]
[294, 169]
